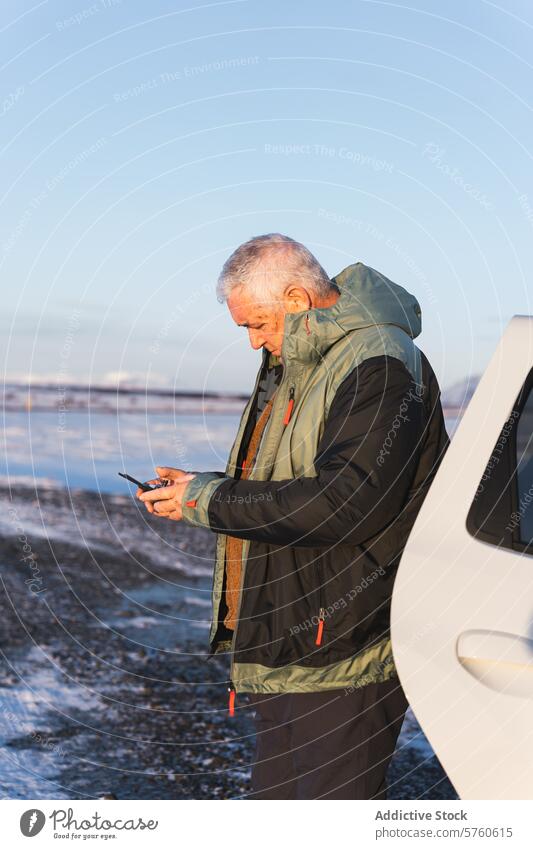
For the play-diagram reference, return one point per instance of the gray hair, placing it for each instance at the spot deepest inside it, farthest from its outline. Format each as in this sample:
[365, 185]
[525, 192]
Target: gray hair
[266, 264]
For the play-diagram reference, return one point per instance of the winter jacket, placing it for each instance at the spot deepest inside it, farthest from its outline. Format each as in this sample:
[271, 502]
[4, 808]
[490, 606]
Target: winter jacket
[353, 442]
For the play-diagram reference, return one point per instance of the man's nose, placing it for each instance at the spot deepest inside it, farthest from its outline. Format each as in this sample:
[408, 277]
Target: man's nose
[256, 339]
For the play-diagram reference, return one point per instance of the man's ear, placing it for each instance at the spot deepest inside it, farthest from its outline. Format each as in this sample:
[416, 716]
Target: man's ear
[297, 299]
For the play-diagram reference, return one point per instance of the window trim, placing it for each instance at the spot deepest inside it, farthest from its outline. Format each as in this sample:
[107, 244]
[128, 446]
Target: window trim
[516, 544]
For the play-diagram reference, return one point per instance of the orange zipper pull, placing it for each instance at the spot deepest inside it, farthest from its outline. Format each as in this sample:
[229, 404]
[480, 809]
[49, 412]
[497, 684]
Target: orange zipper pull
[231, 700]
[290, 405]
[320, 627]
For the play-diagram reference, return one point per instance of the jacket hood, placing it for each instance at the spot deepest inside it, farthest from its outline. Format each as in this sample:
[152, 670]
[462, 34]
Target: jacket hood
[367, 299]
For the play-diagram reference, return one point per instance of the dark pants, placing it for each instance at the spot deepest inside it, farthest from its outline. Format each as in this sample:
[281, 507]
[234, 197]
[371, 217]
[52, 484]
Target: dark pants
[335, 744]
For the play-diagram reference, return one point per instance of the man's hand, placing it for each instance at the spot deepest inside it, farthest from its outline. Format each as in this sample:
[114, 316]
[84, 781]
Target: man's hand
[167, 501]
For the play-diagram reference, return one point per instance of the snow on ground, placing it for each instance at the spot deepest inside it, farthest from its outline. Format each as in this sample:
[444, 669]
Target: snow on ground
[40, 689]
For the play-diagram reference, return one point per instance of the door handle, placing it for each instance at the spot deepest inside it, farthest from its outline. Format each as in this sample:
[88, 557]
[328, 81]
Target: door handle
[501, 661]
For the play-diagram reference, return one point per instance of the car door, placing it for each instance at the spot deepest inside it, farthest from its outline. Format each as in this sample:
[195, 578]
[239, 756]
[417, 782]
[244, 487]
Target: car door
[462, 605]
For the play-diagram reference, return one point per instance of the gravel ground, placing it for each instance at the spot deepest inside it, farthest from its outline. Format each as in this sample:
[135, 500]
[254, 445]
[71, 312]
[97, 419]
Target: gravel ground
[105, 689]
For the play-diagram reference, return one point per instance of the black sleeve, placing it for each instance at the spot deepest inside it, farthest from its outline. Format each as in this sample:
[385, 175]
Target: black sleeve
[365, 463]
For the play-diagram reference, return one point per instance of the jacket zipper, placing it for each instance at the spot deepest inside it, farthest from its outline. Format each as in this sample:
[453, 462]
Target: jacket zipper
[231, 699]
[231, 688]
[320, 627]
[290, 405]
[321, 611]
[242, 428]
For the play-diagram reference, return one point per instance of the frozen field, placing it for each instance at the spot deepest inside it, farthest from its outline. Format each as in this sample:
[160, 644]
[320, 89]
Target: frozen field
[89, 449]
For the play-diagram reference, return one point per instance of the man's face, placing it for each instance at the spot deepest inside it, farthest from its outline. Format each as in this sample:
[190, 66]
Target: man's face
[265, 322]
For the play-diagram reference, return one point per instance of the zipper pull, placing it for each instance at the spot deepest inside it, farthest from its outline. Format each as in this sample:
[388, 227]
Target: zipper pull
[231, 700]
[290, 405]
[321, 615]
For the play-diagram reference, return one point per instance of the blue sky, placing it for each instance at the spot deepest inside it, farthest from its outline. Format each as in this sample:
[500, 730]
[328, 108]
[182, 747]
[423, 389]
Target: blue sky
[141, 143]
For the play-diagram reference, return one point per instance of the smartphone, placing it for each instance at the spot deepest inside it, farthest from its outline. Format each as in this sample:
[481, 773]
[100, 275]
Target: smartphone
[146, 487]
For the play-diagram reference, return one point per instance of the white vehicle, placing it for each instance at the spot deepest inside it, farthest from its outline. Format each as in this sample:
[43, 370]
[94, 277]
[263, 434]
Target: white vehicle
[462, 605]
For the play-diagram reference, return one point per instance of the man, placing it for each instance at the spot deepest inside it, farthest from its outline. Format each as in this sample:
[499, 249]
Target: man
[334, 454]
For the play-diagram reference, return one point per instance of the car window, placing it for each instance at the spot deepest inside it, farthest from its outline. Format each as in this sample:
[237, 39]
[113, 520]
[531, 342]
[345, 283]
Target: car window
[524, 456]
[502, 509]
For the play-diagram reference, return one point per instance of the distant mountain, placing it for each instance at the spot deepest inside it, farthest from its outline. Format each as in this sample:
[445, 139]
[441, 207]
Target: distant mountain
[49, 396]
[105, 399]
[459, 395]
